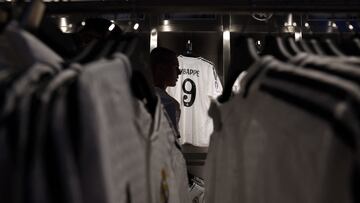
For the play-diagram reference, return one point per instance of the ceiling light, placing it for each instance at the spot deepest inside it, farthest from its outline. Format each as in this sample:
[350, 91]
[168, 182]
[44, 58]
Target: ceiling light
[111, 27]
[226, 35]
[63, 21]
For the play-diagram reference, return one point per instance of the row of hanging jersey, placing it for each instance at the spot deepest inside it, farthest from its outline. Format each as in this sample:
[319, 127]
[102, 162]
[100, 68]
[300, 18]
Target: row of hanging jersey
[76, 133]
[290, 135]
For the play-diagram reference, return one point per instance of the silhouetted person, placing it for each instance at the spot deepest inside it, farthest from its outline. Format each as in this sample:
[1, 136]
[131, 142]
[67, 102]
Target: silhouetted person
[165, 69]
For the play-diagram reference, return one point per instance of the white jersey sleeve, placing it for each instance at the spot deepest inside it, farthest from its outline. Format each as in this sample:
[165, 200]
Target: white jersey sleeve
[197, 84]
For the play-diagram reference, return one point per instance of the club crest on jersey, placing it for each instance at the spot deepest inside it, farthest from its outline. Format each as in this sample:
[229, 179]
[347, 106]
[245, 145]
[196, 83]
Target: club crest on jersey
[164, 188]
[190, 72]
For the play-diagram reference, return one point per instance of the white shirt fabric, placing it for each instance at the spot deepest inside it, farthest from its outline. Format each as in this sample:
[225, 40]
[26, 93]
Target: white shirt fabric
[113, 154]
[167, 166]
[197, 84]
[252, 158]
[211, 169]
[20, 49]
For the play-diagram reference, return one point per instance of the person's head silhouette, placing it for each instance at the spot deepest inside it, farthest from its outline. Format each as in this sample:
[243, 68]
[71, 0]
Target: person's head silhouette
[165, 67]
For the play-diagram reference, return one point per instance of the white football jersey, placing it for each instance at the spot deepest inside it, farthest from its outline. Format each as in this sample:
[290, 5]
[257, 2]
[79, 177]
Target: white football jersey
[197, 84]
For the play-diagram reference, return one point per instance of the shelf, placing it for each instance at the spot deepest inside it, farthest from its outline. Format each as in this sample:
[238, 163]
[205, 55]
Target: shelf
[199, 6]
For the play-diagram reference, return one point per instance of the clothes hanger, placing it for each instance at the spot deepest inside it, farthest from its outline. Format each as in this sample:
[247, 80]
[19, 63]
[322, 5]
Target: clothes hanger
[310, 42]
[307, 43]
[31, 18]
[112, 43]
[243, 55]
[282, 48]
[118, 43]
[346, 71]
[305, 47]
[141, 82]
[317, 48]
[332, 46]
[98, 47]
[106, 49]
[293, 46]
[328, 45]
[275, 46]
[285, 39]
[319, 38]
[188, 48]
[357, 42]
[348, 46]
[129, 44]
[88, 54]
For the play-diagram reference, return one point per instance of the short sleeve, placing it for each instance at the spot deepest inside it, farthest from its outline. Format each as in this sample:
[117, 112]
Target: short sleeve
[215, 86]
